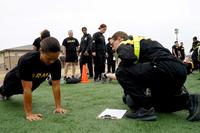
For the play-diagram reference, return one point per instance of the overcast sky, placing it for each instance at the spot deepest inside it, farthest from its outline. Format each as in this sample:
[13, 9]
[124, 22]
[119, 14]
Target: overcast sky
[23, 20]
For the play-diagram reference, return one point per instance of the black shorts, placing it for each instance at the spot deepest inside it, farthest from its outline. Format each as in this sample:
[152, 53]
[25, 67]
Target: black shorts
[12, 84]
[71, 58]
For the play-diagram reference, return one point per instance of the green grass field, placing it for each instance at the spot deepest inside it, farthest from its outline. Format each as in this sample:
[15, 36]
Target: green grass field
[85, 102]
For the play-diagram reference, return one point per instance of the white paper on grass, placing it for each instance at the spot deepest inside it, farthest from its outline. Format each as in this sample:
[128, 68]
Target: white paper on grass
[113, 113]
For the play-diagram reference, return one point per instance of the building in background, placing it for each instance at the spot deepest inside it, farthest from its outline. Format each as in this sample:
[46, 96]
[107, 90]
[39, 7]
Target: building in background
[9, 57]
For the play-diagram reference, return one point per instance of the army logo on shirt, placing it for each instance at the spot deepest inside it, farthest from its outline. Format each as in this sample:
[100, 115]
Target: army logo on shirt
[40, 75]
[70, 41]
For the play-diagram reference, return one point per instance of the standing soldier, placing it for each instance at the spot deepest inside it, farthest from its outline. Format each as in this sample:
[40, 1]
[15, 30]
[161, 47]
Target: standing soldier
[110, 57]
[70, 50]
[175, 49]
[182, 51]
[36, 44]
[85, 52]
[194, 49]
[98, 52]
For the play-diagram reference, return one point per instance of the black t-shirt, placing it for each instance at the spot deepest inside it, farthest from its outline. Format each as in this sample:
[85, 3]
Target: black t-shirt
[70, 44]
[31, 68]
[36, 43]
[176, 50]
[182, 52]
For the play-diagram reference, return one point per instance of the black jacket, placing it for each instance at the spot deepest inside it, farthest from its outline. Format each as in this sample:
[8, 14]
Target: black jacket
[98, 43]
[150, 51]
[86, 44]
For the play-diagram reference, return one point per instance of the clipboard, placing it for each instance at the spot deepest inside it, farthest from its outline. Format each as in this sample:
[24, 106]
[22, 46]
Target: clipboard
[111, 114]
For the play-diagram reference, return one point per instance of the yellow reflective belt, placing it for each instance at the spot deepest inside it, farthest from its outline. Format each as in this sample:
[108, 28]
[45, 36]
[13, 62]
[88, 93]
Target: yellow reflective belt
[136, 49]
[136, 44]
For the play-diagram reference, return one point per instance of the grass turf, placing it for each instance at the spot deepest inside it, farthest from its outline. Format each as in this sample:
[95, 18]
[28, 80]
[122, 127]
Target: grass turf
[85, 102]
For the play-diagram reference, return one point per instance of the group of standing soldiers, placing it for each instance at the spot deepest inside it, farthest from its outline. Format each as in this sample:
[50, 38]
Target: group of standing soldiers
[92, 51]
[178, 50]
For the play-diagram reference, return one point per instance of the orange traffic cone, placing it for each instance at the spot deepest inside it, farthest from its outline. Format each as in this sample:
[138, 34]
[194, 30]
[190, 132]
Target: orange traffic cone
[84, 77]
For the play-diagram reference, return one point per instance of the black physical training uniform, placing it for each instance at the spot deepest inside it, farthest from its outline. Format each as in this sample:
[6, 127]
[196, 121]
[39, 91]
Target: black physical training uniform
[29, 68]
[36, 43]
[195, 54]
[99, 46]
[175, 51]
[86, 53]
[158, 70]
[110, 59]
[71, 45]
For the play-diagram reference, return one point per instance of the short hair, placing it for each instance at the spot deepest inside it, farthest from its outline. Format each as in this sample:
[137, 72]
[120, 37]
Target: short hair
[194, 38]
[109, 38]
[44, 34]
[50, 44]
[102, 26]
[70, 31]
[176, 42]
[83, 28]
[120, 34]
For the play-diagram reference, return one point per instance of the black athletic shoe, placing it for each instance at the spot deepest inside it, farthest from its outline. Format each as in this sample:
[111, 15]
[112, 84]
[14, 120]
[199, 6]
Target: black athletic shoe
[90, 77]
[194, 107]
[142, 114]
[103, 77]
[64, 78]
[2, 98]
[184, 90]
[97, 80]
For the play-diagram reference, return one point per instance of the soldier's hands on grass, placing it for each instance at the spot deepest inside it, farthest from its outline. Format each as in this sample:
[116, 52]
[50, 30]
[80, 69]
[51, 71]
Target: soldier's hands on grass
[60, 111]
[34, 117]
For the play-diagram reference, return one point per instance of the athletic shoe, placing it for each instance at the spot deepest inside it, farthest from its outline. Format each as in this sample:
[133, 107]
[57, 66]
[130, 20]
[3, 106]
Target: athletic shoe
[2, 98]
[184, 90]
[109, 80]
[142, 114]
[97, 80]
[194, 107]
[90, 77]
[103, 77]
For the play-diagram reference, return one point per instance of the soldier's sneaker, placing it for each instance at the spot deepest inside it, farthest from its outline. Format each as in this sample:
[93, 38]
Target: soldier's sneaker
[194, 107]
[109, 80]
[142, 114]
[64, 78]
[103, 77]
[2, 98]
